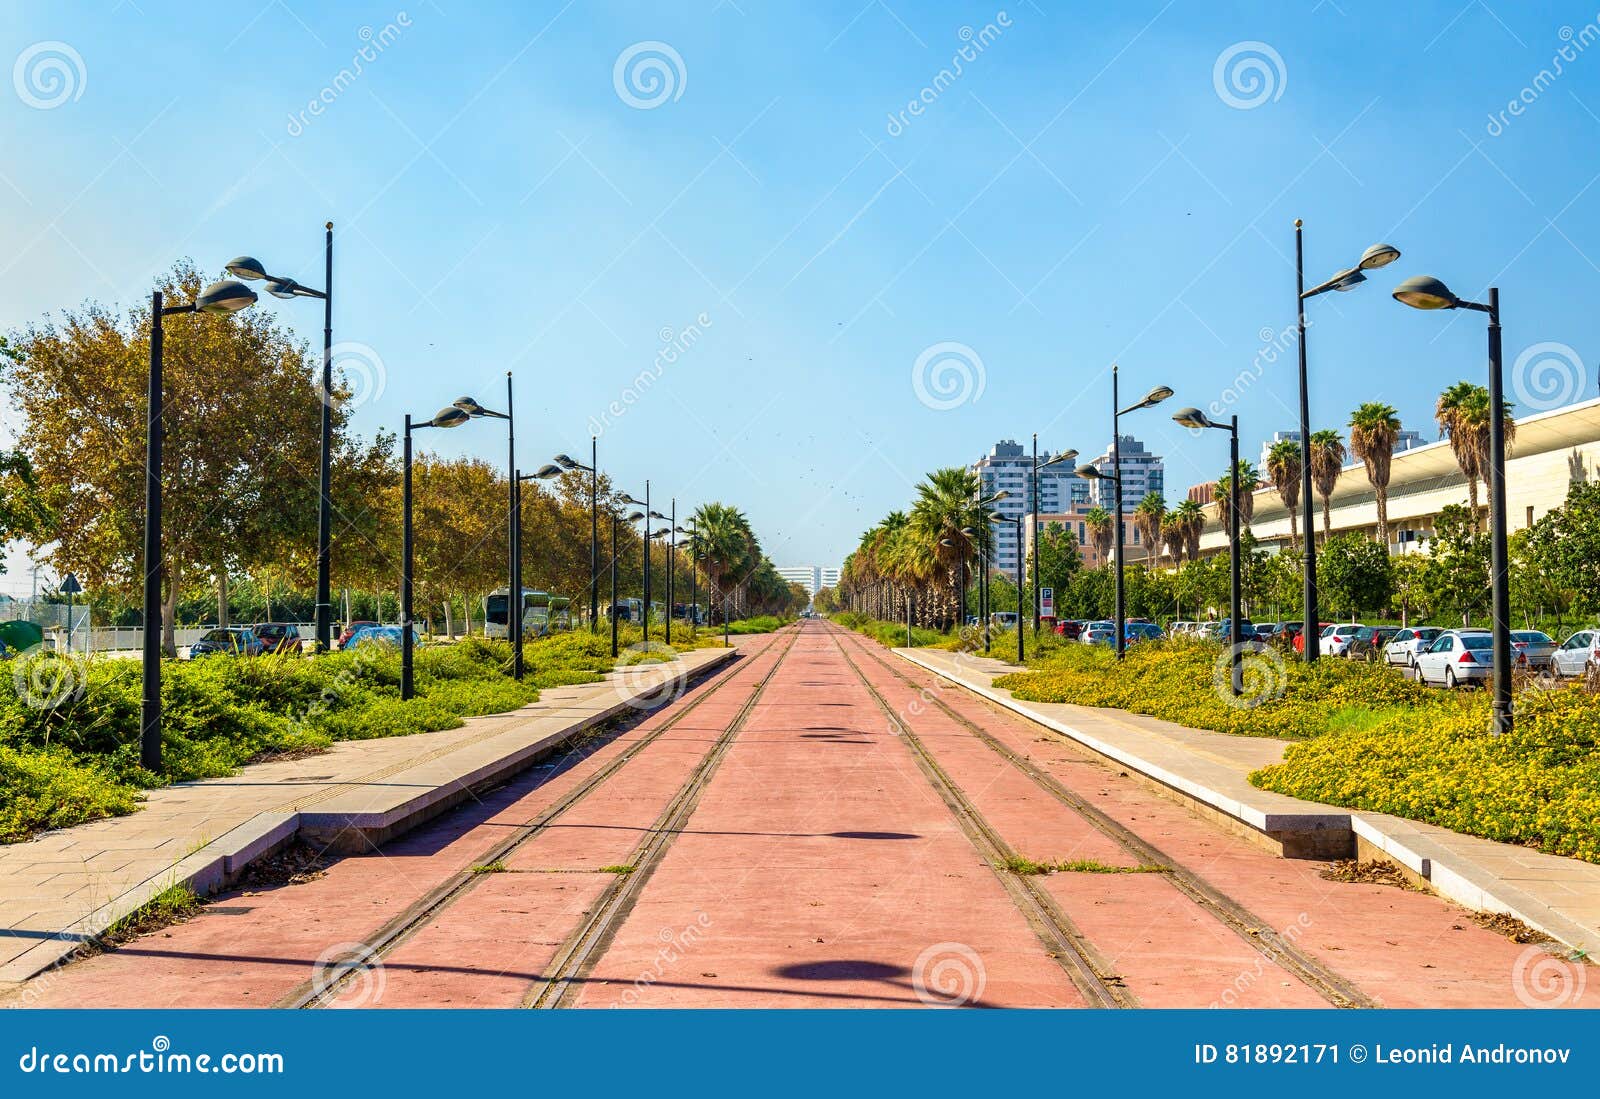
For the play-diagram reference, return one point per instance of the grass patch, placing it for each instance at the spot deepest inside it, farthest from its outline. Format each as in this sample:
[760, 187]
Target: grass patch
[174, 904]
[618, 868]
[79, 760]
[1017, 864]
[496, 867]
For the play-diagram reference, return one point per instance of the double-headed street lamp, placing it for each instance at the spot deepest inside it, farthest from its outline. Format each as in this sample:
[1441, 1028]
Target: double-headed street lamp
[513, 521]
[252, 270]
[1427, 292]
[1379, 255]
[1196, 420]
[464, 409]
[1090, 473]
[225, 296]
[560, 464]
[1064, 456]
[616, 551]
[1001, 517]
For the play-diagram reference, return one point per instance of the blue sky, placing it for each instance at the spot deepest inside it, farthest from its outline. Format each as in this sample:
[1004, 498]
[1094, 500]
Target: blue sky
[1083, 192]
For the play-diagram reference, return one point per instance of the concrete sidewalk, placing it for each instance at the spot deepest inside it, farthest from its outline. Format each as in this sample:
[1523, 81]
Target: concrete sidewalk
[1559, 896]
[66, 887]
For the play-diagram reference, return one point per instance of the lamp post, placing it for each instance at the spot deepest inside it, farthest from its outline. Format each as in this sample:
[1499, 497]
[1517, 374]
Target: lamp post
[1427, 292]
[1194, 419]
[476, 411]
[245, 267]
[563, 463]
[453, 416]
[694, 579]
[1090, 473]
[616, 551]
[1064, 456]
[226, 296]
[1001, 517]
[1379, 255]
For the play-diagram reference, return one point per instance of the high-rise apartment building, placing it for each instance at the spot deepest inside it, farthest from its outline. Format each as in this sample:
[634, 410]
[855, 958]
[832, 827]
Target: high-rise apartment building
[1142, 473]
[1009, 466]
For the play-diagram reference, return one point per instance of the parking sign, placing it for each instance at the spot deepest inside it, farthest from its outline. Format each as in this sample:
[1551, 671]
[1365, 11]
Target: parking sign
[1047, 602]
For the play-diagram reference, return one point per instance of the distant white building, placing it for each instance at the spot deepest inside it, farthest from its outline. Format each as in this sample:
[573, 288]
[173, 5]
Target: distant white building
[1009, 466]
[1142, 474]
[811, 577]
[826, 578]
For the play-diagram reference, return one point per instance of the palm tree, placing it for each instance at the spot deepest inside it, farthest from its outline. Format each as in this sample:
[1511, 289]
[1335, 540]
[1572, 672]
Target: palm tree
[1193, 518]
[730, 553]
[1327, 461]
[1249, 480]
[947, 503]
[1374, 428]
[1463, 416]
[1098, 520]
[1174, 535]
[1148, 517]
[1283, 466]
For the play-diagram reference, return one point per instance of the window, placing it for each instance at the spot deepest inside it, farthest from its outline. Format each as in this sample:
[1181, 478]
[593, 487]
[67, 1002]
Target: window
[1443, 645]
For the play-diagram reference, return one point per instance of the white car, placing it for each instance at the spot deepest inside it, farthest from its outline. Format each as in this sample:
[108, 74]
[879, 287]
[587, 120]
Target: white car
[1404, 646]
[1335, 640]
[1179, 628]
[1577, 654]
[1456, 657]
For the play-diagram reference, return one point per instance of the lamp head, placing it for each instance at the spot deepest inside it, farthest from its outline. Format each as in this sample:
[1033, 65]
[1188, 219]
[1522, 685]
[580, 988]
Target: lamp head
[1425, 292]
[657, 515]
[1001, 495]
[1192, 418]
[999, 517]
[565, 461]
[1089, 473]
[946, 542]
[248, 268]
[634, 517]
[225, 296]
[1346, 281]
[471, 407]
[547, 472]
[1157, 395]
[1379, 255]
[449, 417]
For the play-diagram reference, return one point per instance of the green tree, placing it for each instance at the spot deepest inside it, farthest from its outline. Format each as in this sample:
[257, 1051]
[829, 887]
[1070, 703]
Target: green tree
[1353, 573]
[1457, 581]
[1463, 414]
[1059, 559]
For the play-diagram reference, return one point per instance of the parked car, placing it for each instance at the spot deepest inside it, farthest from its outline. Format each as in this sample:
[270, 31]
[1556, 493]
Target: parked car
[1224, 631]
[1179, 627]
[389, 636]
[350, 628]
[1004, 620]
[1134, 632]
[1578, 654]
[1404, 646]
[1456, 657]
[1098, 633]
[278, 637]
[229, 640]
[1532, 648]
[1369, 642]
[1069, 628]
[1335, 640]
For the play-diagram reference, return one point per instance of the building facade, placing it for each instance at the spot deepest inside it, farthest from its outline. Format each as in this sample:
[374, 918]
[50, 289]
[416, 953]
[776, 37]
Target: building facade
[1142, 473]
[1552, 451]
[807, 576]
[1009, 466]
[1077, 524]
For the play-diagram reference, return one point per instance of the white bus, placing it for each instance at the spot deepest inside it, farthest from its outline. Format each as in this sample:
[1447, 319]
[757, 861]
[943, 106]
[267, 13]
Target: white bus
[535, 613]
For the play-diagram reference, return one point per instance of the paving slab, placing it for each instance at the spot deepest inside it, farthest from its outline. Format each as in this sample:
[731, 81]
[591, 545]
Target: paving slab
[1556, 895]
[62, 889]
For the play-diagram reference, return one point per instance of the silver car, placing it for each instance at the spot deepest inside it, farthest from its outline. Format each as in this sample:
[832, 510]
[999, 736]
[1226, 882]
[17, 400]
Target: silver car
[1456, 657]
[1404, 646]
[1577, 654]
[1532, 648]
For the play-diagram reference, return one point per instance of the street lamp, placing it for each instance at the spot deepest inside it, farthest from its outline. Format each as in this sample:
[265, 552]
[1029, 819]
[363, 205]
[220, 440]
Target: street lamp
[1427, 292]
[225, 296]
[1379, 255]
[252, 270]
[1156, 395]
[452, 416]
[1195, 419]
[616, 520]
[568, 464]
[1064, 456]
[513, 521]
[1000, 517]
